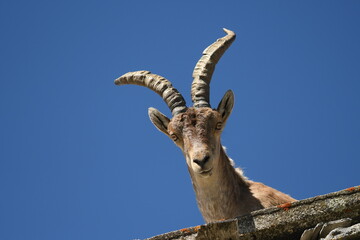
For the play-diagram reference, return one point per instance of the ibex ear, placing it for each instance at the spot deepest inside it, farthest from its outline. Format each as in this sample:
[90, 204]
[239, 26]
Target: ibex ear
[160, 121]
[226, 105]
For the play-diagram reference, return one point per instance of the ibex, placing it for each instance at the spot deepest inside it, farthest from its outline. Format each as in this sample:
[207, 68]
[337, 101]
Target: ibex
[222, 191]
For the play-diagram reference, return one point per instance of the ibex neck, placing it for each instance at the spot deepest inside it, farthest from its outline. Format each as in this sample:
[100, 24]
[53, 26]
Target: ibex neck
[225, 194]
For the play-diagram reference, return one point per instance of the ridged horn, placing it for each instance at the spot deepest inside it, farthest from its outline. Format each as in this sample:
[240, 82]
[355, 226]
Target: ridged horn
[158, 84]
[204, 69]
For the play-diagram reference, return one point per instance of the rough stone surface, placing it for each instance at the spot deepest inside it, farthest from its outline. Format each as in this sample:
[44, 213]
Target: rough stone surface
[286, 221]
[321, 230]
[312, 233]
[349, 233]
[328, 227]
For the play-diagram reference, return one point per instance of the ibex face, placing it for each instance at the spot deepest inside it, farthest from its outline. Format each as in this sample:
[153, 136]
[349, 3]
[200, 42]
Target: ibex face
[196, 130]
[197, 133]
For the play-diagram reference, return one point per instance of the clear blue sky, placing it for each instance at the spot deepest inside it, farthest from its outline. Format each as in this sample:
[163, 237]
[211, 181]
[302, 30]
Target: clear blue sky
[79, 158]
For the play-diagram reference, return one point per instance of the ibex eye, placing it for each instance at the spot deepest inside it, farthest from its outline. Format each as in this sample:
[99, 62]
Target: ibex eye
[218, 126]
[174, 137]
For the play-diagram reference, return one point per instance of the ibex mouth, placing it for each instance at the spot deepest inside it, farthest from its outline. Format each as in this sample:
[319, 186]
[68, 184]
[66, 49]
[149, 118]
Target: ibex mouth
[206, 173]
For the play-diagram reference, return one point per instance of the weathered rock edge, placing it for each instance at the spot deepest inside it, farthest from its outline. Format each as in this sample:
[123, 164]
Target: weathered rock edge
[286, 221]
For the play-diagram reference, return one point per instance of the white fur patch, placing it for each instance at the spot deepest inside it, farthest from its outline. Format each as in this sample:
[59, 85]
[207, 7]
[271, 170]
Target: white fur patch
[237, 169]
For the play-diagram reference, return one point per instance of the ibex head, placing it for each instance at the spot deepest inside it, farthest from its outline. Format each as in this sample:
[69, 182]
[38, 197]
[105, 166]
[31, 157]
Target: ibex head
[195, 130]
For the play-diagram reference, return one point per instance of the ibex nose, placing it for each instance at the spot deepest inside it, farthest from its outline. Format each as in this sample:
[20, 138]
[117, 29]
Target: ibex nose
[201, 162]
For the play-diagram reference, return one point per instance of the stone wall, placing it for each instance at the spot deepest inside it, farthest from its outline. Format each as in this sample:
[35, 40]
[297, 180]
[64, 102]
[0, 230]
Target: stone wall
[287, 221]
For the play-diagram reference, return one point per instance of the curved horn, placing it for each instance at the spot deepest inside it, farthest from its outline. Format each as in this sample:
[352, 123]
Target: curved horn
[203, 71]
[158, 84]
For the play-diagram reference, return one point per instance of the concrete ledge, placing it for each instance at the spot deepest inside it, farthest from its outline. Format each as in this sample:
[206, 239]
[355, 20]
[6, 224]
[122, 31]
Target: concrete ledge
[286, 221]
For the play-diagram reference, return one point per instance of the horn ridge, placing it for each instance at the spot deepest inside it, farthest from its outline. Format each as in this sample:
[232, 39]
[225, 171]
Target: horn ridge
[204, 69]
[158, 84]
